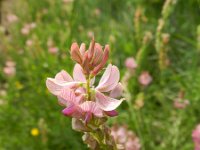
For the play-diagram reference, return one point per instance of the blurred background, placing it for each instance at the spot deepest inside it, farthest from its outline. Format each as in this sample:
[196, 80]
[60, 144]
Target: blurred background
[162, 35]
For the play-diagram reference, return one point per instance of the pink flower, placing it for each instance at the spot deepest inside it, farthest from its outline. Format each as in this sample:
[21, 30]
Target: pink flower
[196, 137]
[124, 138]
[53, 50]
[130, 63]
[92, 60]
[27, 28]
[75, 101]
[9, 68]
[181, 104]
[12, 18]
[145, 78]
[29, 42]
[90, 34]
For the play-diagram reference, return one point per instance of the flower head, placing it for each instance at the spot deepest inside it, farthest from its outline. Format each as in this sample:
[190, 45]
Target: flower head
[81, 98]
[130, 63]
[91, 60]
[145, 78]
[124, 138]
[34, 132]
[9, 68]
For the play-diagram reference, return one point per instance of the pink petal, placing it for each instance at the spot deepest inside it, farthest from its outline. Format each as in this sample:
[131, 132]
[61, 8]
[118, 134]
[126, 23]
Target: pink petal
[62, 102]
[75, 53]
[68, 95]
[78, 73]
[111, 113]
[91, 49]
[82, 49]
[92, 107]
[55, 86]
[98, 55]
[106, 103]
[109, 79]
[88, 117]
[63, 76]
[117, 91]
[73, 111]
[69, 111]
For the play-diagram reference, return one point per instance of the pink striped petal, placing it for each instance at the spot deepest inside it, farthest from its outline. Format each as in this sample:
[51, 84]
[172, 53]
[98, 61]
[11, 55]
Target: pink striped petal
[109, 79]
[111, 113]
[62, 102]
[78, 73]
[117, 91]
[106, 103]
[69, 110]
[63, 76]
[91, 107]
[88, 117]
[73, 111]
[55, 86]
[68, 95]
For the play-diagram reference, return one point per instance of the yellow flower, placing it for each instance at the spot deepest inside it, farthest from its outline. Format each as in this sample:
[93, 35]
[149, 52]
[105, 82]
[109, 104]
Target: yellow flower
[34, 132]
[18, 85]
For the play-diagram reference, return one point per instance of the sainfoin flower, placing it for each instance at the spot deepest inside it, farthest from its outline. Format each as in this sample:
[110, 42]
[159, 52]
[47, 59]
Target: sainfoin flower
[130, 63]
[196, 137]
[10, 69]
[81, 98]
[145, 78]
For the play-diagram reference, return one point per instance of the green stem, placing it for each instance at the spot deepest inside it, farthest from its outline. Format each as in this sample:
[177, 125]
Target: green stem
[104, 139]
[88, 88]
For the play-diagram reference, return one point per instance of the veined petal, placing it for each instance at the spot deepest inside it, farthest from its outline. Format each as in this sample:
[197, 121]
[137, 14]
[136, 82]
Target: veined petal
[91, 107]
[78, 73]
[73, 111]
[69, 110]
[63, 76]
[68, 95]
[112, 113]
[106, 103]
[109, 79]
[117, 91]
[55, 86]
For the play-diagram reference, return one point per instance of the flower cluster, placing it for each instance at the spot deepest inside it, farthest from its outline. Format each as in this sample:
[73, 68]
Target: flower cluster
[78, 94]
[124, 138]
[196, 137]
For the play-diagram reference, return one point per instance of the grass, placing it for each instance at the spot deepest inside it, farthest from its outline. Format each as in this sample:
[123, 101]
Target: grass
[27, 103]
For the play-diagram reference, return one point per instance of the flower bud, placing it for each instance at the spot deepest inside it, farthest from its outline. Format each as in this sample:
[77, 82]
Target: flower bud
[75, 53]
